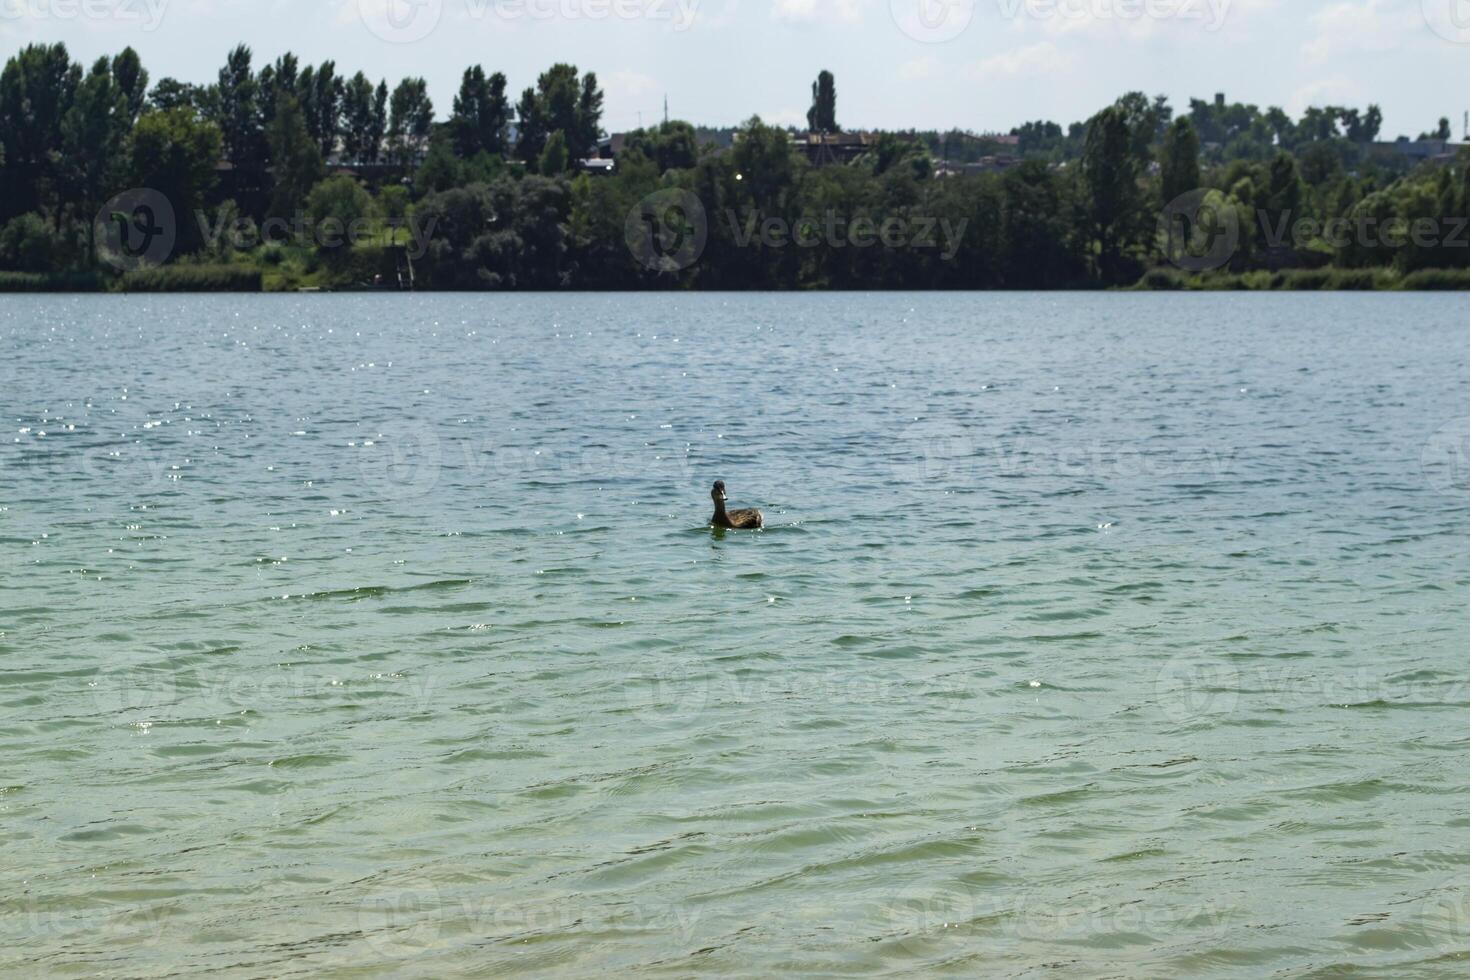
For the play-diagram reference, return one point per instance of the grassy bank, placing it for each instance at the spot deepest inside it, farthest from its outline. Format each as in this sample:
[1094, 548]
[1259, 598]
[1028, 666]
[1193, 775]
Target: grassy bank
[270, 268]
[1306, 280]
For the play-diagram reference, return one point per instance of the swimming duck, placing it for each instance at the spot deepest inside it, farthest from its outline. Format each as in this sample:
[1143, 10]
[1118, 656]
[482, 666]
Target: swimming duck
[739, 519]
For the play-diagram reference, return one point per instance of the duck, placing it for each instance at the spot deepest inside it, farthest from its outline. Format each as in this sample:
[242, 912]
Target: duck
[740, 520]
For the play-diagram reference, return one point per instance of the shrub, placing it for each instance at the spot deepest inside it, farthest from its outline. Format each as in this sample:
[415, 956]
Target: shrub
[49, 282]
[192, 278]
[31, 243]
[1427, 279]
[1306, 279]
[336, 206]
[1163, 279]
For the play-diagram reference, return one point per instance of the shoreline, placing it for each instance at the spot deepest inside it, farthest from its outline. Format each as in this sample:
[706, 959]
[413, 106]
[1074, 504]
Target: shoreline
[246, 281]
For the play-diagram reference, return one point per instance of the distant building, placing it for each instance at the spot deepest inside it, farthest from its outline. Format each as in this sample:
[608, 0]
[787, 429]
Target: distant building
[598, 165]
[1422, 151]
[611, 145]
[822, 149]
[998, 163]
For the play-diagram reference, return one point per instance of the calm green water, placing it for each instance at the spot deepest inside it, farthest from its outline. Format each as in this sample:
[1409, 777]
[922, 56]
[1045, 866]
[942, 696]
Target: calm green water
[1089, 635]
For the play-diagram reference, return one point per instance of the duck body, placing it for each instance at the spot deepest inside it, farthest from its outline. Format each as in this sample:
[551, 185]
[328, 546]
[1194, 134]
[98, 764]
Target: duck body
[738, 520]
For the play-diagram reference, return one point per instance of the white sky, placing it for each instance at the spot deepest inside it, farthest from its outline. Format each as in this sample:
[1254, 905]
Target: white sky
[976, 64]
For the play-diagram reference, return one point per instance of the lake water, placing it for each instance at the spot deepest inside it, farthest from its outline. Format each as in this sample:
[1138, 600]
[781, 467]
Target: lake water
[1089, 635]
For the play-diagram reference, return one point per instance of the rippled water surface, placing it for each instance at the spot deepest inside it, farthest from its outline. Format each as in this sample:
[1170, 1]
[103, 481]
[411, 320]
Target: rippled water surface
[1089, 635]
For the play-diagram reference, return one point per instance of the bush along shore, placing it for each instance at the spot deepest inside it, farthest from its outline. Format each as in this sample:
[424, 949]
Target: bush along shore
[285, 176]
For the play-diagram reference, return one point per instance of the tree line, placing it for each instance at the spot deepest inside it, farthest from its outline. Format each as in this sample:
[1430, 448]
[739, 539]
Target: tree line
[493, 196]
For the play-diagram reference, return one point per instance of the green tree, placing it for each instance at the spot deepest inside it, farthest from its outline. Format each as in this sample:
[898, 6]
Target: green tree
[37, 86]
[92, 133]
[553, 160]
[338, 208]
[361, 142]
[561, 102]
[1372, 124]
[236, 111]
[296, 158]
[1037, 251]
[1146, 119]
[379, 131]
[170, 93]
[1111, 168]
[174, 152]
[765, 166]
[895, 151]
[441, 168]
[481, 114]
[411, 121]
[393, 204]
[320, 92]
[1441, 132]
[822, 116]
[131, 79]
[670, 145]
[559, 92]
[582, 142]
[1179, 166]
[29, 243]
[1318, 124]
[532, 126]
[1281, 204]
[275, 78]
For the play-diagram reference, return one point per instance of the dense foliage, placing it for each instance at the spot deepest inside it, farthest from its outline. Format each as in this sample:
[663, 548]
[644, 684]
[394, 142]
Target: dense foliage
[292, 175]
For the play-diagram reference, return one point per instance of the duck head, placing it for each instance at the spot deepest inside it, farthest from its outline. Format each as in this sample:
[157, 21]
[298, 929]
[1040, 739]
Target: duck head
[718, 493]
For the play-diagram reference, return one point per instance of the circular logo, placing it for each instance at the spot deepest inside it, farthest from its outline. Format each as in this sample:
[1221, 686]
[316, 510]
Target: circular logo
[1445, 915]
[136, 229]
[403, 463]
[1189, 688]
[138, 693]
[1199, 232]
[401, 21]
[670, 697]
[932, 21]
[667, 230]
[401, 916]
[1450, 19]
[918, 914]
[934, 451]
[1445, 458]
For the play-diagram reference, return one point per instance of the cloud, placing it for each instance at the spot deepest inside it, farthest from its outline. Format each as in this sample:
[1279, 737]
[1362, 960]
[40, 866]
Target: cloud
[785, 117]
[1030, 61]
[817, 11]
[1336, 90]
[1360, 27]
[919, 69]
[629, 84]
